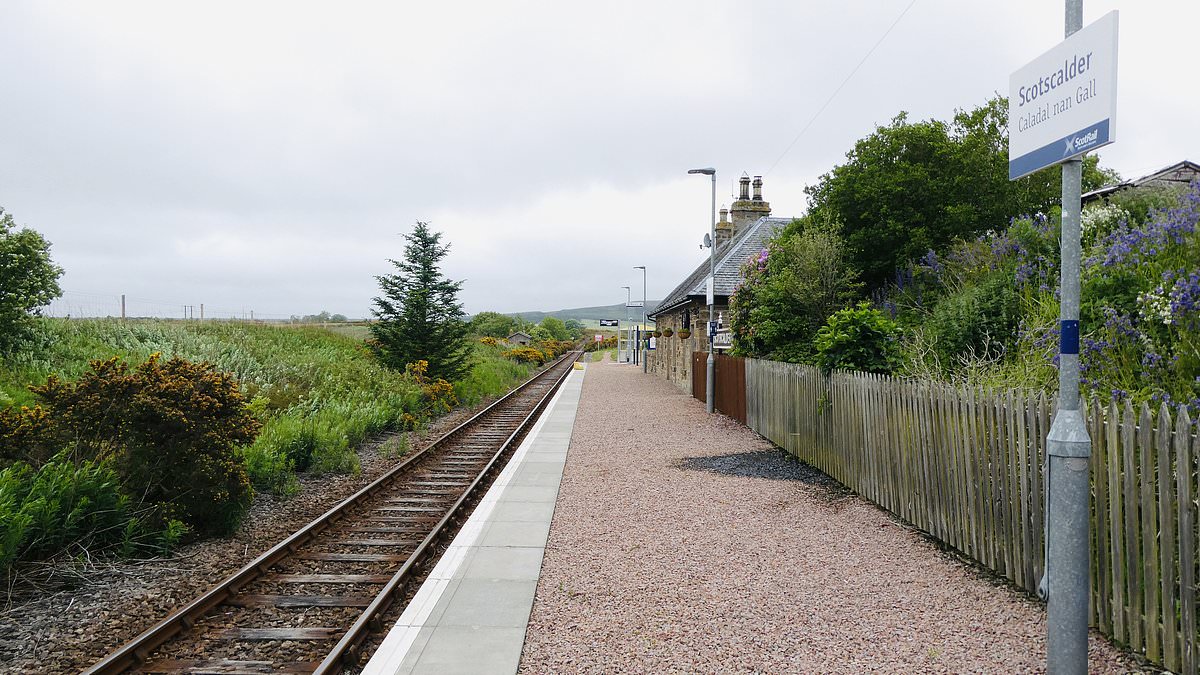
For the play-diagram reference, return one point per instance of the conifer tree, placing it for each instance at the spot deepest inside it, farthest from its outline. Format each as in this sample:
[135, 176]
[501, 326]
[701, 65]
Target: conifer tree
[419, 315]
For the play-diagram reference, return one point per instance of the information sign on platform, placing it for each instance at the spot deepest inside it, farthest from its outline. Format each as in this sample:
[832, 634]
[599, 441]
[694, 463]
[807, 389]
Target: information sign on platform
[1064, 103]
[609, 322]
[599, 338]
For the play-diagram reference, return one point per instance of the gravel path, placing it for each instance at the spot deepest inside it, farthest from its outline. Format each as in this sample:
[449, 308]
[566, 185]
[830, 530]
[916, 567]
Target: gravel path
[684, 543]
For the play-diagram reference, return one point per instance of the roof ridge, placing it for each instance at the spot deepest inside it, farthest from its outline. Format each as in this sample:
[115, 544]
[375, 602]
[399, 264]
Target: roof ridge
[692, 283]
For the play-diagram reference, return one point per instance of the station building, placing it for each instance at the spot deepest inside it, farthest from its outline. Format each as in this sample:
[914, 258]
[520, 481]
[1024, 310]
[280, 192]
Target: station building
[1177, 176]
[742, 233]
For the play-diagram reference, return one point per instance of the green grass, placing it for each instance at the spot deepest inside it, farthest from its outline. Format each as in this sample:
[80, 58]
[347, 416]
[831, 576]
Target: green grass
[319, 392]
[356, 332]
[598, 355]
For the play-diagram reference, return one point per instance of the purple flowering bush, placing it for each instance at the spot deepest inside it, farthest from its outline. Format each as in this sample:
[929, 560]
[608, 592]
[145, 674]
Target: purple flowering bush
[986, 310]
[1142, 304]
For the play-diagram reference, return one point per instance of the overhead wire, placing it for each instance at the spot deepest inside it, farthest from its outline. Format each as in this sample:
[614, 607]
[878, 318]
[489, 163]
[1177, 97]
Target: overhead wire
[839, 88]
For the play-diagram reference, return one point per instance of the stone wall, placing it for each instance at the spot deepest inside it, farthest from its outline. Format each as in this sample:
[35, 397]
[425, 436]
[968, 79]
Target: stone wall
[673, 357]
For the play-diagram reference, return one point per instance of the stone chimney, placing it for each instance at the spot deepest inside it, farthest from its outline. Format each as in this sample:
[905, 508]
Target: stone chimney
[746, 211]
[724, 228]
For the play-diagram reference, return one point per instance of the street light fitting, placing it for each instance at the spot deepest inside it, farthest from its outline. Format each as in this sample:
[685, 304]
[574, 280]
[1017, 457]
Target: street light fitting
[711, 240]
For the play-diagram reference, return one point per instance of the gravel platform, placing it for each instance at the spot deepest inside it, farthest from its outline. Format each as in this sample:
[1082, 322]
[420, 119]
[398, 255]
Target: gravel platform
[686, 543]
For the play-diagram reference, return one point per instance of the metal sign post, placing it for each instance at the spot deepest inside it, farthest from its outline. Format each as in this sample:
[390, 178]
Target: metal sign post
[1062, 105]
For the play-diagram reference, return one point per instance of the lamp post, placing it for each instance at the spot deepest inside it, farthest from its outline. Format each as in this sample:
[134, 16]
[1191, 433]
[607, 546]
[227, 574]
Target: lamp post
[626, 326]
[712, 282]
[643, 352]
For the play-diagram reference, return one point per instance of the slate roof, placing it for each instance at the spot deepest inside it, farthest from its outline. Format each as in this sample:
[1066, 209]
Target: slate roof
[1180, 172]
[730, 258]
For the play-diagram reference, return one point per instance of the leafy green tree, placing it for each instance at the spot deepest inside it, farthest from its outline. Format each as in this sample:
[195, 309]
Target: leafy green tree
[575, 328]
[910, 187]
[323, 317]
[419, 315]
[789, 291]
[556, 328]
[494, 324]
[28, 279]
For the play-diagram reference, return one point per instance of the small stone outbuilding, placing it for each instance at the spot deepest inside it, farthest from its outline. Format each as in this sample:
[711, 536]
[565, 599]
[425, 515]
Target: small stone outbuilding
[519, 338]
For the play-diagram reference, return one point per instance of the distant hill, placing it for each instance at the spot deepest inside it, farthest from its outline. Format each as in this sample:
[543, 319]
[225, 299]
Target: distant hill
[589, 314]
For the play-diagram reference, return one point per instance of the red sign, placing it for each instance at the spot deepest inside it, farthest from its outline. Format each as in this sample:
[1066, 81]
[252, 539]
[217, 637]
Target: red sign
[599, 338]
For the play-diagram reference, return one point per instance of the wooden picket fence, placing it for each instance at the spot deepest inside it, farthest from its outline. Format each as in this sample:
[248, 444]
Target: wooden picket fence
[966, 466]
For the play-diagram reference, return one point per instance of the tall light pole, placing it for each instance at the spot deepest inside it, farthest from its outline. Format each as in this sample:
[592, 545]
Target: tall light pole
[712, 283]
[643, 352]
[626, 326]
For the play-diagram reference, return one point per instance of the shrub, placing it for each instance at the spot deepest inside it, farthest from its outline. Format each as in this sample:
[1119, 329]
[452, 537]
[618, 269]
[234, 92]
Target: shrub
[63, 505]
[858, 338]
[979, 320]
[26, 434]
[489, 341]
[606, 343]
[173, 430]
[439, 394]
[526, 355]
[554, 348]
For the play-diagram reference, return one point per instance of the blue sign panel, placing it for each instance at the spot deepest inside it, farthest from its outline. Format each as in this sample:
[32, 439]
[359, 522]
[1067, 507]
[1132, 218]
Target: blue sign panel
[1071, 145]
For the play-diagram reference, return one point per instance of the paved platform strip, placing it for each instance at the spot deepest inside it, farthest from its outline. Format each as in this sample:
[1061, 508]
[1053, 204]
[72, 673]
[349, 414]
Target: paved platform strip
[470, 614]
[684, 542]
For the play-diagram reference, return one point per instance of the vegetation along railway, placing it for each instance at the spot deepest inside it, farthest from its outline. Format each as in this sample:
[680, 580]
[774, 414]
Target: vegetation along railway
[308, 603]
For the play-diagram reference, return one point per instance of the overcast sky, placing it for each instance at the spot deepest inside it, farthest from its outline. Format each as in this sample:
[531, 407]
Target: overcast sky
[266, 156]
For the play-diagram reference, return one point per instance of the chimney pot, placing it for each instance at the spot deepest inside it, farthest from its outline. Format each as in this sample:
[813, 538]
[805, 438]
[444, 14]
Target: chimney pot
[758, 188]
[745, 187]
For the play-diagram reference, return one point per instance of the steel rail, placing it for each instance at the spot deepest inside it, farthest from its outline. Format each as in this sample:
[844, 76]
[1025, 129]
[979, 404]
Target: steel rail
[347, 648]
[139, 649]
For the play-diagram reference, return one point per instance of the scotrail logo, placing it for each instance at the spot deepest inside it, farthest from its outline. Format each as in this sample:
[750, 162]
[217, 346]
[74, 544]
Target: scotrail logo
[1077, 143]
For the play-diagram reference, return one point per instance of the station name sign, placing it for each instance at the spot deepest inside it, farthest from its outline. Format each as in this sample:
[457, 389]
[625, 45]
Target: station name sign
[1064, 102]
[609, 322]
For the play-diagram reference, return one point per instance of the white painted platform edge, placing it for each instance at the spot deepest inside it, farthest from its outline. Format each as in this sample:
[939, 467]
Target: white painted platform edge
[399, 641]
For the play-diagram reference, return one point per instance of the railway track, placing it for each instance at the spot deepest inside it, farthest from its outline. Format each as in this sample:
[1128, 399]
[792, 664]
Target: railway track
[308, 603]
